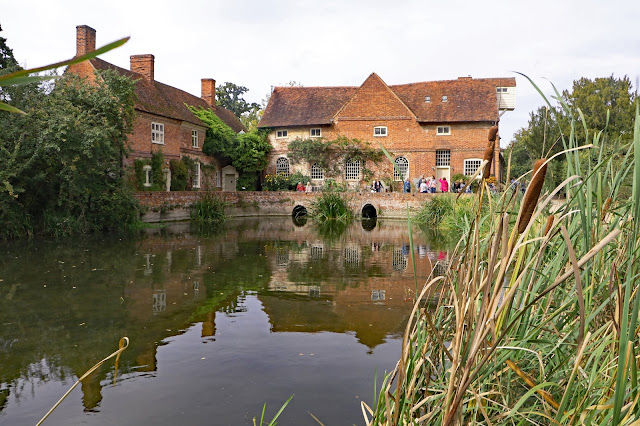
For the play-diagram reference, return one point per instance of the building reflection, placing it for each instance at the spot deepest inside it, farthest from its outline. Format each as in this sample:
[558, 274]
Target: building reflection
[359, 282]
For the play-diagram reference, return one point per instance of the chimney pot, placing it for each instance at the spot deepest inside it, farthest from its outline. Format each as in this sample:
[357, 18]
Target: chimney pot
[85, 40]
[144, 65]
[208, 91]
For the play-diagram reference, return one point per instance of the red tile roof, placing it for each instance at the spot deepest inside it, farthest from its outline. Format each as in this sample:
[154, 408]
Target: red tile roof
[303, 106]
[468, 100]
[167, 101]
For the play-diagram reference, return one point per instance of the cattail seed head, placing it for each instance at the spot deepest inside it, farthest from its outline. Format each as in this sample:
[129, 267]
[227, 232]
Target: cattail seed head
[605, 209]
[488, 155]
[493, 132]
[532, 194]
[550, 220]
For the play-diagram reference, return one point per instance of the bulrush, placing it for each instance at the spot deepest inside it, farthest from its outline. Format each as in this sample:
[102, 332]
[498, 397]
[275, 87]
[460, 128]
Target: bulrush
[493, 132]
[530, 199]
[605, 209]
[549, 224]
[488, 155]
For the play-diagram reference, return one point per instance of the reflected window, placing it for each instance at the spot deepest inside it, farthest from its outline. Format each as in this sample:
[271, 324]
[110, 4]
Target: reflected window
[399, 259]
[282, 256]
[314, 291]
[159, 301]
[196, 289]
[148, 266]
[316, 252]
[199, 255]
[351, 256]
[378, 295]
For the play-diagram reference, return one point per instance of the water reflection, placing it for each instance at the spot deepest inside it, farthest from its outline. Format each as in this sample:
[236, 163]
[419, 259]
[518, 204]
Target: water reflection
[64, 306]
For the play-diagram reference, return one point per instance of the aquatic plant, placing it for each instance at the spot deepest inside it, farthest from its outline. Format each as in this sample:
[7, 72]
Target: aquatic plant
[331, 206]
[537, 320]
[208, 209]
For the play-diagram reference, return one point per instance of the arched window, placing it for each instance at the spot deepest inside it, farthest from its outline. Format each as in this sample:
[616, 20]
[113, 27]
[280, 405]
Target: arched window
[282, 167]
[352, 170]
[401, 169]
[316, 172]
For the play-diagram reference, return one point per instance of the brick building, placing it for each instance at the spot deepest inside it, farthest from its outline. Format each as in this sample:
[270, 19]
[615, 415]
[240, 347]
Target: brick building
[162, 120]
[431, 128]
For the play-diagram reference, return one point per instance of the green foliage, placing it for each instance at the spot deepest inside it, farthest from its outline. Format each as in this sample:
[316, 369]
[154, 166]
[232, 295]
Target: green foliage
[248, 181]
[62, 161]
[157, 173]
[208, 210]
[179, 175]
[446, 215]
[281, 183]
[246, 152]
[331, 206]
[230, 96]
[331, 155]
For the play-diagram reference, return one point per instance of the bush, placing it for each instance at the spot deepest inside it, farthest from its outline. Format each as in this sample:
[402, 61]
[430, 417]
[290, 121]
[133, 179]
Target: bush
[247, 181]
[179, 175]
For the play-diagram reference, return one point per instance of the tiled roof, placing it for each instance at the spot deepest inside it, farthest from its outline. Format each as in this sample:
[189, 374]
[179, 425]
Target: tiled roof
[468, 100]
[303, 106]
[167, 101]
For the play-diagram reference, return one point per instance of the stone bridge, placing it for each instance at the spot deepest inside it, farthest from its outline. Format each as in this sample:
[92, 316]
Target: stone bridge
[172, 206]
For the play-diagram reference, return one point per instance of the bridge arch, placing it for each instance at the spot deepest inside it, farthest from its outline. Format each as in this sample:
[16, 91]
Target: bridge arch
[369, 211]
[299, 210]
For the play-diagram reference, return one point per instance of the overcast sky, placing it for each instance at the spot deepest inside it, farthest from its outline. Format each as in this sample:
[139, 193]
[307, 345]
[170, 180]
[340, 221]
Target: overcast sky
[260, 43]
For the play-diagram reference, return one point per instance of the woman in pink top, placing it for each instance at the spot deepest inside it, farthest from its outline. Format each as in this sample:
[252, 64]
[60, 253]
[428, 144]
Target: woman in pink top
[444, 185]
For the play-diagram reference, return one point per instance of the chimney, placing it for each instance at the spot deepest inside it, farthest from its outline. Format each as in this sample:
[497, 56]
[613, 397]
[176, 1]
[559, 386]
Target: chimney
[208, 91]
[85, 39]
[143, 64]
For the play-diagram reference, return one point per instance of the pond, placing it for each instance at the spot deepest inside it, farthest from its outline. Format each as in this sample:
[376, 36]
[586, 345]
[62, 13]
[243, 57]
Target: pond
[220, 323]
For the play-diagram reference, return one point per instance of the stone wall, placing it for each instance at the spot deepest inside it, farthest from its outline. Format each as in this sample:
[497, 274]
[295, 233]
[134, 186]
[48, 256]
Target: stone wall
[172, 206]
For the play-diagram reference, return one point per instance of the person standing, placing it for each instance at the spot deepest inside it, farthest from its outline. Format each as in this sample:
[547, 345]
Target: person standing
[432, 184]
[406, 186]
[424, 187]
[444, 184]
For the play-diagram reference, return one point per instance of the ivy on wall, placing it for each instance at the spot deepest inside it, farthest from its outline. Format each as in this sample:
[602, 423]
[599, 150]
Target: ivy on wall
[331, 155]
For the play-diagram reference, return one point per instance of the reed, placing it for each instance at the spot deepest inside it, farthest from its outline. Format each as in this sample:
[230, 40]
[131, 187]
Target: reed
[208, 210]
[537, 320]
[331, 206]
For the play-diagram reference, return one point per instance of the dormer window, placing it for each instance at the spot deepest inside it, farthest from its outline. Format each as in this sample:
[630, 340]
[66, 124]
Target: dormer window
[445, 98]
[427, 99]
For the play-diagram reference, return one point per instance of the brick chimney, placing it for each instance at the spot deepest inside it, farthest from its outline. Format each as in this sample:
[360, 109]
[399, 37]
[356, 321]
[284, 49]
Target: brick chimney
[208, 92]
[143, 64]
[85, 39]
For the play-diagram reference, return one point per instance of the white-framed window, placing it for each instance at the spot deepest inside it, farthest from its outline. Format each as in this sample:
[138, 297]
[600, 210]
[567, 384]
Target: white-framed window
[194, 138]
[471, 165]
[316, 133]
[427, 99]
[352, 170]
[445, 98]
[196, 174]
[443, 130]
[316, 172]
[281, 134]
[380, 131]
[218, 180]
[282, 166]
[157, 133]
[378, 294]
[443, 157]
[501, 90]
[401, 169]
[148, 181]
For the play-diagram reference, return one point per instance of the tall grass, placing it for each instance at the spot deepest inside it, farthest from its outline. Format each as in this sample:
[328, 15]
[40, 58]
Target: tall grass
[331, 206]
[532, 327]
[208, 210]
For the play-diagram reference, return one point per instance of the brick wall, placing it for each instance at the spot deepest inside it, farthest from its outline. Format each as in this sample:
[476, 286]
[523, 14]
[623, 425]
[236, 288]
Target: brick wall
[167, 206]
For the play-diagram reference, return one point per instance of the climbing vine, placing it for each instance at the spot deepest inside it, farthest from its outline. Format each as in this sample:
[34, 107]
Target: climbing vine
[331, 155]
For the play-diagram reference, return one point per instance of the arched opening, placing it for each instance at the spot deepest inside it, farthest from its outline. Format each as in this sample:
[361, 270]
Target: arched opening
[299, 221]
[368, 211]
[368, 224]
[299, 211]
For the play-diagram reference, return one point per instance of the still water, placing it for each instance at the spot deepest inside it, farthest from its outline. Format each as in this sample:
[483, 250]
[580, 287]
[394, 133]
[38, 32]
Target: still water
[219, 323]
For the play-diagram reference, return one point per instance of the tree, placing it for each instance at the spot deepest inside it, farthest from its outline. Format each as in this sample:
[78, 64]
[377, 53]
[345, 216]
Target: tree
[230, 96]
[61, 165]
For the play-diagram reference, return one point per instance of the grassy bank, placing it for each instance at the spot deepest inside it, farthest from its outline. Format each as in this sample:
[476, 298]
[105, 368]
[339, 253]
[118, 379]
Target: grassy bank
[537, 322]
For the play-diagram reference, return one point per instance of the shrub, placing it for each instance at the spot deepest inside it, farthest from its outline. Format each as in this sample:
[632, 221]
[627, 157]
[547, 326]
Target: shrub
[179, 175]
